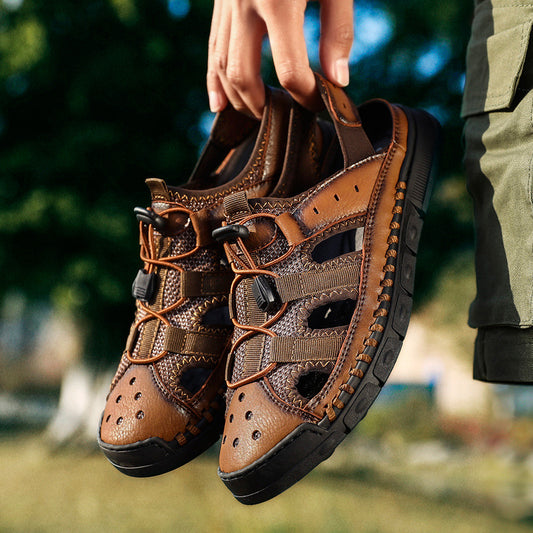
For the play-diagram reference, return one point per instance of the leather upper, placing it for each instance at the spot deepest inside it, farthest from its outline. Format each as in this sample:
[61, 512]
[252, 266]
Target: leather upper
[177, 345]
[358, 201]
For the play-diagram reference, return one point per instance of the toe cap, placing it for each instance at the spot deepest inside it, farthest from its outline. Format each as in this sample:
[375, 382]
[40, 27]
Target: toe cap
[136, 410]
[254, 425]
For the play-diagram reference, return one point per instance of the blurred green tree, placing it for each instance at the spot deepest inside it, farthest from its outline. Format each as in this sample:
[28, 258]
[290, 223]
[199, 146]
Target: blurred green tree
[96, 95]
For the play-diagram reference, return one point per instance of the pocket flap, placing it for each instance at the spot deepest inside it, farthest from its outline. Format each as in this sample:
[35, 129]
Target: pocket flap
[494, 67]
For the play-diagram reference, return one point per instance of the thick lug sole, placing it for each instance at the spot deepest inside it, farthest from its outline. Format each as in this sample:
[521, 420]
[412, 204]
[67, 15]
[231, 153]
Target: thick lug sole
[155, 456]
[310, 444]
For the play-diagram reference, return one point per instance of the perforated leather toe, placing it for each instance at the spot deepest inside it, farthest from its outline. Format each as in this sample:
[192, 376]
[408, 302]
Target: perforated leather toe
[254, 424]
[136, 410]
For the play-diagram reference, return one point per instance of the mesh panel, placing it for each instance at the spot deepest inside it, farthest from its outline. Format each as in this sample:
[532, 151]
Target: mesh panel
[238, 361]
[187, 316]
[165, 368]
[275, 250]
[293, 322]
[240, 303]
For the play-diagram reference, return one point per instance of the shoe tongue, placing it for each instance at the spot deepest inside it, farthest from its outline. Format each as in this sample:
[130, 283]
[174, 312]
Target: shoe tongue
[262, 229]
[161, 194]
[158, 189]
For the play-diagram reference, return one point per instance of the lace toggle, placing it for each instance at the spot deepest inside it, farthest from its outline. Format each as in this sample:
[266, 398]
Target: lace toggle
[144, 286]
[150, 217]
[230, 233]
[265, 295]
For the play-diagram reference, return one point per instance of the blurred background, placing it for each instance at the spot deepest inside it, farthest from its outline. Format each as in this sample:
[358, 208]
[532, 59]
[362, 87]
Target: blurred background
[96, 96]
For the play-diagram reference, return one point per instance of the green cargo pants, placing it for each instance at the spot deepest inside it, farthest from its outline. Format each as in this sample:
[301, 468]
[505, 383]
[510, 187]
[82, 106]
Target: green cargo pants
[498, 107]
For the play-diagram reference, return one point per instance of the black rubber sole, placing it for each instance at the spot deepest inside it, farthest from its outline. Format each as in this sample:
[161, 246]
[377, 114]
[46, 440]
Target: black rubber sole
[155, 456]
[310, 444]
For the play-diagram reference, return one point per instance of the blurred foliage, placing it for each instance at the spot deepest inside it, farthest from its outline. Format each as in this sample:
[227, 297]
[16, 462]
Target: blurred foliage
[97, 95]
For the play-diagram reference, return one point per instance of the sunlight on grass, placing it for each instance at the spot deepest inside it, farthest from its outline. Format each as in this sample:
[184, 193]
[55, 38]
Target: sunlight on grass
[75, 491]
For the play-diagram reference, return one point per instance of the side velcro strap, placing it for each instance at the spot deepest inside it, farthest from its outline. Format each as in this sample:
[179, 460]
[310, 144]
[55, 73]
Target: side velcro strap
[254, 347]
[185, 342]
[302, 284]
[300, 349]
[194, 284]
[254, 315]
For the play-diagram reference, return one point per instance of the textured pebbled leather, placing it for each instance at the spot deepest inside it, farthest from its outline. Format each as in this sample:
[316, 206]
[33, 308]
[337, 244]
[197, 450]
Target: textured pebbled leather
[242, 156]
[253, 423]
[136, 410]
[364, 190]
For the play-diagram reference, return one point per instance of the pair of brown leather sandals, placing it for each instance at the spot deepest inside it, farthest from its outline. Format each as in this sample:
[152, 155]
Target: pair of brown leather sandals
[275, 293]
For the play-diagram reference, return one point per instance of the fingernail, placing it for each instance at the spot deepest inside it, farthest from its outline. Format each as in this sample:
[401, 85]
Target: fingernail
[215, 102]
[342, 72]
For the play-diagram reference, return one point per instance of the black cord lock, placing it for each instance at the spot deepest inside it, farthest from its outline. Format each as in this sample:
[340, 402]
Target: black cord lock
[266, 296]
[230, 233]
[144, 286]
[148, 216]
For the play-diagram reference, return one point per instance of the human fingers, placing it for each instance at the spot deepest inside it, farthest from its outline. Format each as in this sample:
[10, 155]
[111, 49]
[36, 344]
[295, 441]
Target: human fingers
[215, 90]
[285, 26]
[222, 54]
[219, 61]
[336, 38]
[243, 71]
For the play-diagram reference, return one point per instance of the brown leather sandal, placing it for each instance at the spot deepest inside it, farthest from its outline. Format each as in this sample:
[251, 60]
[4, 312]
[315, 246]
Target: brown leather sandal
[166, 403]
[322, 296]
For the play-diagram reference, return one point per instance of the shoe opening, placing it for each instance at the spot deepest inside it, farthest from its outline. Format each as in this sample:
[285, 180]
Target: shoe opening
[332, 314]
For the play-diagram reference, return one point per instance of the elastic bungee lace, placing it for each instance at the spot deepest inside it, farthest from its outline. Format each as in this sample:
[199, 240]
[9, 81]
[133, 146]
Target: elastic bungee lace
[250, 268]
[148, 254]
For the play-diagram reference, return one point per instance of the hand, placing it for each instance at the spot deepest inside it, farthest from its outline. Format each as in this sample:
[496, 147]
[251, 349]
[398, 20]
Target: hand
[237, 31]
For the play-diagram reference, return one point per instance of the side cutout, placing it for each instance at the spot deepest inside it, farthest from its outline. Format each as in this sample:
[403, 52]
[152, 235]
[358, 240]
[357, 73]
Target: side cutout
[332, 315]
[193, 378]
[217, 316]
[311, 383]
[338, 244]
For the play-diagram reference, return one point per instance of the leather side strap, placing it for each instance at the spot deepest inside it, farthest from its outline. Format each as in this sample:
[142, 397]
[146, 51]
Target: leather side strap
[302, 284]
[354, 142]
[290, 228]
[202, 227]
[194, 284]
[185, 342]
[299, 349]
[345, 196]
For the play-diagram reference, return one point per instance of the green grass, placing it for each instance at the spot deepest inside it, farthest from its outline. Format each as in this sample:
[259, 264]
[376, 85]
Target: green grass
[80, 492]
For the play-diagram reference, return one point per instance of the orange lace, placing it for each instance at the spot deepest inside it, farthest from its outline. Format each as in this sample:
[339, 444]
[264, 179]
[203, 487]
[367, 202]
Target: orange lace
[251, 269]
[148, 255]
